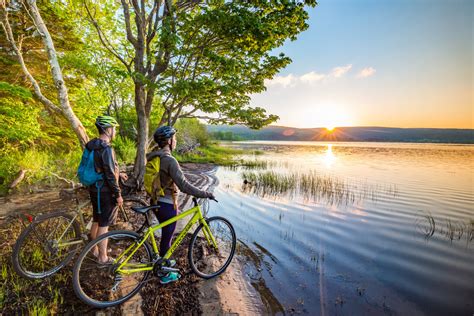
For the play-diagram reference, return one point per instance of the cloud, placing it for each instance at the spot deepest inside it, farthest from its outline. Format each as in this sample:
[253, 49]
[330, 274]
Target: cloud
[366, 72]
[308, 78]
[284, 81]
[312, 77]
[340, 71]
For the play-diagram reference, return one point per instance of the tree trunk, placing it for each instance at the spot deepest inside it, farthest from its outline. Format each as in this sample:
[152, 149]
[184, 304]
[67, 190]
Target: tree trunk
[57, 75]
[142, 133]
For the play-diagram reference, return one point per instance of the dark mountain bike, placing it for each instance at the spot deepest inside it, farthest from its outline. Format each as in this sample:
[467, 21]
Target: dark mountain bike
[51, 240]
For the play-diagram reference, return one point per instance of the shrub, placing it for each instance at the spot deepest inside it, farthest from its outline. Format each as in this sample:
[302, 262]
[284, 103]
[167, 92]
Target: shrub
[191, 131]
[125, 149]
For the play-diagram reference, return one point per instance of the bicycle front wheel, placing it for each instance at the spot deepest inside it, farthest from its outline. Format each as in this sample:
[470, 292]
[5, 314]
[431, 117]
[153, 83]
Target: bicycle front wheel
[104, 285]
[46, 246]
[212, 248]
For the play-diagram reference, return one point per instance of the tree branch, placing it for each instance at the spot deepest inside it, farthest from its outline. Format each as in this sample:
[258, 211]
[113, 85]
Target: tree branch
[126, 13]
[105, 42]
[9, 35]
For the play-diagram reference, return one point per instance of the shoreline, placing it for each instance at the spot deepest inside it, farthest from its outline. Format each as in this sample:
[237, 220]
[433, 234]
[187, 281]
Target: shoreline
[231, 292]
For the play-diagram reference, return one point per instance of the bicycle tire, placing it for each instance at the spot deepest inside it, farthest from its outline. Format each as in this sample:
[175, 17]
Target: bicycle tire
[17, 265]
[193, 245]
[78, 287]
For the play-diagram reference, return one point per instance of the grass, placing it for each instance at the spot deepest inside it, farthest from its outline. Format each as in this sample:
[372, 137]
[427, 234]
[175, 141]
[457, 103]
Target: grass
[33, 297]
[43, 168]
[212, 153]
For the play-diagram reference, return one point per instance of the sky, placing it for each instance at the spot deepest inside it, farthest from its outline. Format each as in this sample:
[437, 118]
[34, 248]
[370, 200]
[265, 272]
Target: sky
[404, 63]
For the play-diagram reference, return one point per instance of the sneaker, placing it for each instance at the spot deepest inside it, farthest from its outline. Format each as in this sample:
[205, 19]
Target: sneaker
[170, 277]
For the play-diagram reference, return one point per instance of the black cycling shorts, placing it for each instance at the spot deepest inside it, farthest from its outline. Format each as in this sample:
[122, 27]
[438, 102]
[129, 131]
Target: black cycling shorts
[108, 208]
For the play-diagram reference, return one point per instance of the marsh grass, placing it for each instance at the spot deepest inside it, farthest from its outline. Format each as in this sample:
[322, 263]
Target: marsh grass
[256, 164]
[426, 224]
[448, 228]
[312, 186]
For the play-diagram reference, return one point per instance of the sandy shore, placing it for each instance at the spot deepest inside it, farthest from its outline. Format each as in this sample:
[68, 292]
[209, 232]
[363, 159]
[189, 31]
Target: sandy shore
[231, 292]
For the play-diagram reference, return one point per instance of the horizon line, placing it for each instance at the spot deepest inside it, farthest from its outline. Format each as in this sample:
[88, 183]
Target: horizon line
[358, 126]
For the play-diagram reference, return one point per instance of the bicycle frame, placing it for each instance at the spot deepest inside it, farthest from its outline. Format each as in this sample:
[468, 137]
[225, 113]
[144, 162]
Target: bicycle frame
[128, 268]
[79, 214]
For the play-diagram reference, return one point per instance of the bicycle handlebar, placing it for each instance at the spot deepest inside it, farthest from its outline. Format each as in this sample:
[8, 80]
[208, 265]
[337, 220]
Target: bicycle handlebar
[195, 201]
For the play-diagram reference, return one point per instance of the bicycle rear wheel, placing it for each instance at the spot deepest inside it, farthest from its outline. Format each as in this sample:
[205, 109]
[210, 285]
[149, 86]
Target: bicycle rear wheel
[135, 220]
[207, 259]
[46, 246]
[101, 285]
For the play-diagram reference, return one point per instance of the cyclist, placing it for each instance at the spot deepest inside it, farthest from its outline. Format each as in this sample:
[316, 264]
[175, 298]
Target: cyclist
[171, 178]
[110, 194]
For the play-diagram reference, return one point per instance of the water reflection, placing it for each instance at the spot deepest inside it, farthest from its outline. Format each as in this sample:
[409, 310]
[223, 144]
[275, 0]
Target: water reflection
[329, 157]
[450, 229]
[374, 258]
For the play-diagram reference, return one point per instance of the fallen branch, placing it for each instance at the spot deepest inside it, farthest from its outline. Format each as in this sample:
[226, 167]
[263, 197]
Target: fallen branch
[18, 179]
[68, 181]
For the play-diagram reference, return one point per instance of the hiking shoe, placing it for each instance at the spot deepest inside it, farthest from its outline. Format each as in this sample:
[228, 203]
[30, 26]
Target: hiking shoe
[170, 277]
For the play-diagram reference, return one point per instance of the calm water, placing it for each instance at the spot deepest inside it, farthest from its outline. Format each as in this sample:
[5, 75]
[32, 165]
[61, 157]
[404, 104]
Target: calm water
[407, 248]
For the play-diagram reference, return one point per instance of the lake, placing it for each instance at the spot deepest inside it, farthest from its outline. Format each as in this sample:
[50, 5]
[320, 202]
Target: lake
[354, 228]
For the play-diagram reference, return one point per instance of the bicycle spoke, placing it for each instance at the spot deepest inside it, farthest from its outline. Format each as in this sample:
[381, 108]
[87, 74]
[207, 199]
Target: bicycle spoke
[39, 254]
[206, 260]
[101, 283]
[54, 231]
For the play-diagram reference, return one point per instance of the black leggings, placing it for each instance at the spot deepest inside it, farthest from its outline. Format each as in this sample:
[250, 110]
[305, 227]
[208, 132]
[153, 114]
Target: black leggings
[164, 213]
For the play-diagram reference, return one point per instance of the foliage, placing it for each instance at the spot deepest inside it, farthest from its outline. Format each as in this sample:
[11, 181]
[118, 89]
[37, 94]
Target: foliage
[223, 135]
[42, 166]
[218, 52]
[190, 132]
[19, 125]
[212, 153]
[14, 90]
[125, 148]
[213, 81]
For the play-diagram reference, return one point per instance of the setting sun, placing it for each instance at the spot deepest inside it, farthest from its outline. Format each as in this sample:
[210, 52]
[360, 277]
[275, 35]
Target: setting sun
[330, 128]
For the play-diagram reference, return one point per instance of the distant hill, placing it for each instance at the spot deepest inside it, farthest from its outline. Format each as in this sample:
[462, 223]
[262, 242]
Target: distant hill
[369, 134]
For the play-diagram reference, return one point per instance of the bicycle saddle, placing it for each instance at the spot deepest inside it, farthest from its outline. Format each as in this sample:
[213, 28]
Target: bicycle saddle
[143, 209]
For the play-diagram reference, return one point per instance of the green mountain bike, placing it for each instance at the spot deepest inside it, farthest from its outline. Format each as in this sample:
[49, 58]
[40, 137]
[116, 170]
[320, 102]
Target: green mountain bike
[51, 240]
[134, 259]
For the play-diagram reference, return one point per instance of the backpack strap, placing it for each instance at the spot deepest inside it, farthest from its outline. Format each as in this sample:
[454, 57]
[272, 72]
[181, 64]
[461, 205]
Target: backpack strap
[100, 184]
[99, 188]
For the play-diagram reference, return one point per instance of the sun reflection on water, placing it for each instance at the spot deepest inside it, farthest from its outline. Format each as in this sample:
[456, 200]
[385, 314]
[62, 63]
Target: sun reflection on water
[329, 157]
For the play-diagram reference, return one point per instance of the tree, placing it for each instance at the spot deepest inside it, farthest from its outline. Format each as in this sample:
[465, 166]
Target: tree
[222, 54]
[199, 56]
[150, 55]
[64, 107]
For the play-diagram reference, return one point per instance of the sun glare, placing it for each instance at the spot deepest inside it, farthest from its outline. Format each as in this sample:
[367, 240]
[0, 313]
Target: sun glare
[330, 115]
